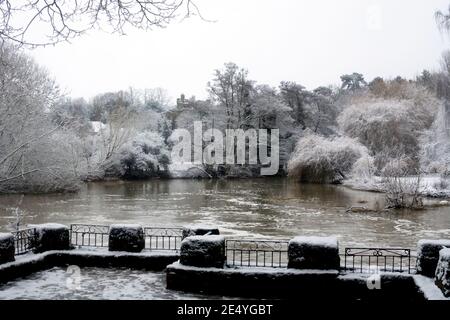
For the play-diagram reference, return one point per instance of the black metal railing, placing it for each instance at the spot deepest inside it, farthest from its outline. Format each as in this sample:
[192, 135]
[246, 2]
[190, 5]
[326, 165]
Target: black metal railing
[89, 235]
[370, 260]
[257, 253]
[24, 240]
[157, 238]
[239, 252]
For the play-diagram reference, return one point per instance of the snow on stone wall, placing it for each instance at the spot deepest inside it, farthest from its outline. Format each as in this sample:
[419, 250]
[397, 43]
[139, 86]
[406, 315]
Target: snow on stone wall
[6, 247]
[203, 251]
[51, 236]
[442, 278]
[126, 237]
[199, 231]
[428, 255]
[313, 253]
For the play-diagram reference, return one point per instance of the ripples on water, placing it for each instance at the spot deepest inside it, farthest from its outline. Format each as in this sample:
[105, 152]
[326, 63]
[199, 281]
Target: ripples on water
[269, 207]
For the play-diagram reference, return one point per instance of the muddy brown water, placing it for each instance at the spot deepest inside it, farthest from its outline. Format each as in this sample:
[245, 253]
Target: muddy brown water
[253, 208]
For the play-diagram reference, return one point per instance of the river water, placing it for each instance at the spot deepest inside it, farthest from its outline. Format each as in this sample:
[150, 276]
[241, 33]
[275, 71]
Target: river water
[254, 208]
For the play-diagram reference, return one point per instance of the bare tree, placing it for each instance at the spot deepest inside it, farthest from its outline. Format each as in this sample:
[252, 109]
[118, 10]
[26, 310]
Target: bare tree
[401, 190]
[231, 89]
[18, 215]
[62, 20]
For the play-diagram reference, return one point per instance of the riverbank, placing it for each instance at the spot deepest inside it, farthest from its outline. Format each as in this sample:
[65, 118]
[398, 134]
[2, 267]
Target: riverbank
[431, 186]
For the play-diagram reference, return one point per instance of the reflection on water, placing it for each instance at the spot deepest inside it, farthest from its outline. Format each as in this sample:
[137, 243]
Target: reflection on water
[272, 207]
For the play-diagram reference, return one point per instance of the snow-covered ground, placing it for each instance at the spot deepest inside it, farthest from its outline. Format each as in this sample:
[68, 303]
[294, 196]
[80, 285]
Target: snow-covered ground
[430, 185]
[93, 283]
[429, 289]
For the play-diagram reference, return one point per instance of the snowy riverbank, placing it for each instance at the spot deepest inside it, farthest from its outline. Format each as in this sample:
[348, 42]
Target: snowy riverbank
[433, 186]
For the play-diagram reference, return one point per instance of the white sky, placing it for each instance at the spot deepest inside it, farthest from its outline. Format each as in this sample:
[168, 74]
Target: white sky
[310, 42]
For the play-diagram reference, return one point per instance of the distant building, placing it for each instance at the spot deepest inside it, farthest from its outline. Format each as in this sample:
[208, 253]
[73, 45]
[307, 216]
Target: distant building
[183, 105]
[182, 102]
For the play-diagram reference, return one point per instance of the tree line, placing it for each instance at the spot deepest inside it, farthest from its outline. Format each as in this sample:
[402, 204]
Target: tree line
[361, 128]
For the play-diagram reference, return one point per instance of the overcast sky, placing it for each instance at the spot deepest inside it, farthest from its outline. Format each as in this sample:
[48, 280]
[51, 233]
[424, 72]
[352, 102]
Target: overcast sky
[310, 42]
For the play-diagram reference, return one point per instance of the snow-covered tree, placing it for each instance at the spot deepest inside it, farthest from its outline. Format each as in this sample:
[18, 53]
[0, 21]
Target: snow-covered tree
[156, 99]
[107, 143]
[324, 160]
[231, 89]
[32, 156]
[146, 155]
[296, 97]
[73, 113]
[390, 128]
[435, 144]
[104, 104]
[352, 81]
[364, 168]
[268, 110]
[321, 112]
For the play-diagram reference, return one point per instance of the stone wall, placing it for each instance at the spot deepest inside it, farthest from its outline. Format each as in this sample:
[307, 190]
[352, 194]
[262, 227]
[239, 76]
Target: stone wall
[26, 265]
[6, 247]
[51, 236]
[428, 255]
[203, 251]
[126, 237]
[442, 277]
[313, 253]
[283, 283]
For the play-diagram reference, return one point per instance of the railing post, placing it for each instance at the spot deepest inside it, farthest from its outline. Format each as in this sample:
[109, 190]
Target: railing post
[409, 260]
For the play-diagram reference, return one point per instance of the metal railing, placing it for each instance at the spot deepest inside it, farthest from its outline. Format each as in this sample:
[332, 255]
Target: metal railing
[257, 253]
[89, 235]
[239, 252]
[368, 260]
[157, 238]
[24, 240]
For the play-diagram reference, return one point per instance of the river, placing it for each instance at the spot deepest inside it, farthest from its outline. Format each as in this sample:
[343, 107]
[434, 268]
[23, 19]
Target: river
[256, 208]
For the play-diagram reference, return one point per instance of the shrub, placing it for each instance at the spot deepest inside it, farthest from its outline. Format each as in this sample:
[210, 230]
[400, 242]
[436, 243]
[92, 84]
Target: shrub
[145, 156]
[401, 191]
[324, 160]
